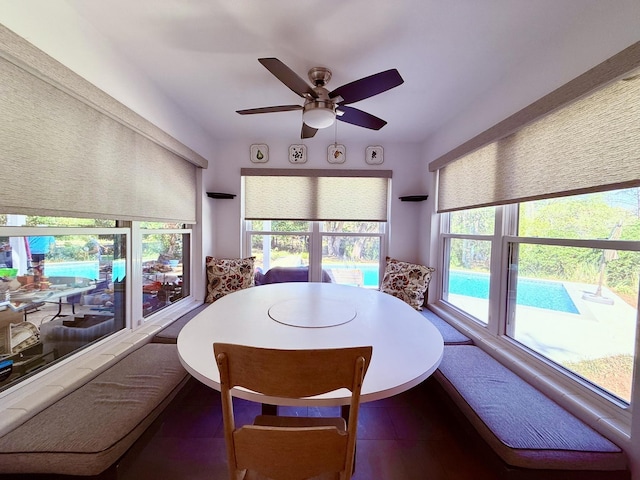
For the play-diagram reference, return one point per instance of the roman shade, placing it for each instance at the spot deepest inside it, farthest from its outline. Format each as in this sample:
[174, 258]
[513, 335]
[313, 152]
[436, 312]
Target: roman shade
[583, 137]
[322, 195]
[68, 149]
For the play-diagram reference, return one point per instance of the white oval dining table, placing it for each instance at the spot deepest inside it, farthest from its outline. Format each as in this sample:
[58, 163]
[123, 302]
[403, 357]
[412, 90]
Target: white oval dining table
[407, 348]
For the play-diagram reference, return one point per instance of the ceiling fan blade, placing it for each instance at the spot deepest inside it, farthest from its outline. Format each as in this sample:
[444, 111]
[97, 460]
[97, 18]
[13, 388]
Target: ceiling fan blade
[288, 77]
[359, 118]
[279, 108]
[367, 87]
[307, 131]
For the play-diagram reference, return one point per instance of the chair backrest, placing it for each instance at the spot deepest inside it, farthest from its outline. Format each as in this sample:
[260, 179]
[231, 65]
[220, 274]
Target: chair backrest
[299, 451]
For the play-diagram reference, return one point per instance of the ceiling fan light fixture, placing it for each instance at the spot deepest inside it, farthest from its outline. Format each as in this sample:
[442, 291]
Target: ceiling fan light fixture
[319, 114]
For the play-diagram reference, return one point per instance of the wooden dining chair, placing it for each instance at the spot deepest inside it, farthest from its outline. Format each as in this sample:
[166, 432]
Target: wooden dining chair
[291, 448]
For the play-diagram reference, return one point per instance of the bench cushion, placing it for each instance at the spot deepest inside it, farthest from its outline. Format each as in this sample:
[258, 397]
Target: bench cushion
[87, 431]
[523, 426]
[170, 333]
[450, 334]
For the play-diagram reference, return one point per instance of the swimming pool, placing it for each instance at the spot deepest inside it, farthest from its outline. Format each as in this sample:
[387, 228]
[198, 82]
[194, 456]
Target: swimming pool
[370, 273]
[72, 269]
[88, 269]
[531, 293]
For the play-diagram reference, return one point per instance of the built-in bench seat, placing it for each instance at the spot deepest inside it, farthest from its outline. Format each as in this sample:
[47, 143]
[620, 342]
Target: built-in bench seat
[450, 334]
[169, 334]
[86, 432]
[533, 436]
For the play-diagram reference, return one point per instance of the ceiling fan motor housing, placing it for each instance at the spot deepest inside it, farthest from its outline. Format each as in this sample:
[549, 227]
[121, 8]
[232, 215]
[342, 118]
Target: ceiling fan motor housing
[319, 76]
[319, 112]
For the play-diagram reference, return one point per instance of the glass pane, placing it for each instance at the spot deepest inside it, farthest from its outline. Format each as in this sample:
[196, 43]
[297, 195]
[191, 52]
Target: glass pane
[164, 259]
[352, 260]
[11, 220]
[58, 294]
[278, 225]
[279, 251]
[161, 225]
[353, 227]
[468, 277]
[578, 307]
[478, 221]
[590, 216]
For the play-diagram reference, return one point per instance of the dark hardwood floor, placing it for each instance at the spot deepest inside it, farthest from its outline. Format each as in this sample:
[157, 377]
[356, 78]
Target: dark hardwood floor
[411, 436]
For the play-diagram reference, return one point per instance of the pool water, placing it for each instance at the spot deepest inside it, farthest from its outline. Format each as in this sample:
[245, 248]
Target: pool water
[531, 293]
[89, 269]
[72, 269]
[370, 273]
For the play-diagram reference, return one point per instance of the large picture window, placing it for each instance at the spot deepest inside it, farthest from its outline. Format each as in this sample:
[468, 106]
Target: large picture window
[571, 283]
[64, 284]
[71, 246]
[563, 178]
[349, 252]
[333, 223]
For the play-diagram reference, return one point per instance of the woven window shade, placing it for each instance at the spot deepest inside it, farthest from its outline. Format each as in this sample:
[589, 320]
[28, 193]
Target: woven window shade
[350, 195]
[62, 155]
[591, 144]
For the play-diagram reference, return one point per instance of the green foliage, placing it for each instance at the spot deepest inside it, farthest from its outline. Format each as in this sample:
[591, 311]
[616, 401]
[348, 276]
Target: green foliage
[581, 216]
[552, 262]
[351, 246]
[33, 221]
[478, 221]
[577, 217]
[470, 254]
[623, 273]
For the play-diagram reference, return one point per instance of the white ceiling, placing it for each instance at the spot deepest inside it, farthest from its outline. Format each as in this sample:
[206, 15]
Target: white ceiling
[202, 54]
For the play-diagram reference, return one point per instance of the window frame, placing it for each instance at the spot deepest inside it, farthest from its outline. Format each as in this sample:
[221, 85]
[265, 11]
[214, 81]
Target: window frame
[187, 266]
[316, 236]
[133, 311]
[531, 365]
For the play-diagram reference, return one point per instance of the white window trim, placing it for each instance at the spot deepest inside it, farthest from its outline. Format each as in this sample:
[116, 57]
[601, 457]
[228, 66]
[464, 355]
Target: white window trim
[316, 234]
[587, 402]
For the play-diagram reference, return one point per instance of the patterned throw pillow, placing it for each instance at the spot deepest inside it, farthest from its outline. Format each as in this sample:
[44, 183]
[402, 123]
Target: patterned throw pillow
[227, 275]
[407, 281]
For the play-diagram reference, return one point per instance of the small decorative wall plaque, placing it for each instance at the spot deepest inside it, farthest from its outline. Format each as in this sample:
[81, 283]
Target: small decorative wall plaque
[336, 153]
[374, 155]
[298, 153]
[259, 153]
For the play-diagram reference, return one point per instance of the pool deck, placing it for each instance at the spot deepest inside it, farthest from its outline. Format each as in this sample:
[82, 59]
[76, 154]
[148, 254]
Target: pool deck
[599, 330]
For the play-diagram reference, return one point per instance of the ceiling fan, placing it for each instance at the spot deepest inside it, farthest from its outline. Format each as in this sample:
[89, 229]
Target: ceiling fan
[321, 106]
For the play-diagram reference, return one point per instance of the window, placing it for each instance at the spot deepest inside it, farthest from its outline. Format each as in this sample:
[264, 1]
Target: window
[349, 251]
[468, 248]
[63, 287]
[573, 285]
[563, 177]
[334, 222]
[165, 265]
[97, 170]
[571, 282]
[64, 284]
